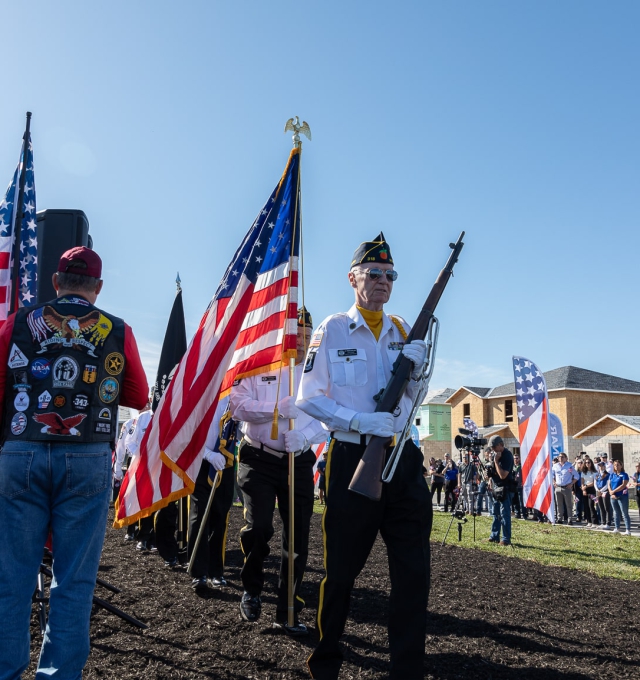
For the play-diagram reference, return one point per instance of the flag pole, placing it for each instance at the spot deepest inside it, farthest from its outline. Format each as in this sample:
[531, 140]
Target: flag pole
[291, 553]
[19, 213]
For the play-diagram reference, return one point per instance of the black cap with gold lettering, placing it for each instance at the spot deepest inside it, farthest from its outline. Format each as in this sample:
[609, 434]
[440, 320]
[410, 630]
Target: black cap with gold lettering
[304, 318]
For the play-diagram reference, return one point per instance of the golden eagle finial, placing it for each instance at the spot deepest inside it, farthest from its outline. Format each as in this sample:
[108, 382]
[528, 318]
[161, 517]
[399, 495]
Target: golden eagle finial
[293, 124]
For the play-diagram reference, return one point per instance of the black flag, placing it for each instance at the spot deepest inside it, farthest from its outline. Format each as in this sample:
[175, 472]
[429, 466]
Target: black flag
[173, 348]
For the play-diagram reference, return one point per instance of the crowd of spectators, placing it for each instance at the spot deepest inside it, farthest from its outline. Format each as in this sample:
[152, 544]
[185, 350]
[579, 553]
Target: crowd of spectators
[590, 492]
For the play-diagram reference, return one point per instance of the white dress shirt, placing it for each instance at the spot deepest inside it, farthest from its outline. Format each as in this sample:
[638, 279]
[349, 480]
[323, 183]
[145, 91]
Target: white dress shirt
[121, 448]
[346, 367]
[253, 401]
[133, 439]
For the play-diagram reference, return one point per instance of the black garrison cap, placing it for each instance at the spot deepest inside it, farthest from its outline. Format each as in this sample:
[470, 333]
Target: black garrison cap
[377, 251]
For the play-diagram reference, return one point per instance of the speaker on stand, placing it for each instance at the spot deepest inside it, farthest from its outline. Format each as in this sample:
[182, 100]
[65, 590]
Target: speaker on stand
[57, 231]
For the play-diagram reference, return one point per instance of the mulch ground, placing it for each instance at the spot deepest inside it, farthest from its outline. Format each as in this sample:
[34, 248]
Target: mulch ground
[490, 617]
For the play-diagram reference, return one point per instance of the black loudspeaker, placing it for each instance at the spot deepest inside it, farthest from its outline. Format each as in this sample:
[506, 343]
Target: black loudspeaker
[58, 230]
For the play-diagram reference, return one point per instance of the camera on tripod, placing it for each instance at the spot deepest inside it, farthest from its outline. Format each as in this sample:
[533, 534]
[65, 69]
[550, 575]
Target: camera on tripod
[467, 442]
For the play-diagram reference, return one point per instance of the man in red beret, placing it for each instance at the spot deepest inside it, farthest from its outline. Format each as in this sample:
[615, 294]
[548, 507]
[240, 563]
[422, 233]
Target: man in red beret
[65, 365]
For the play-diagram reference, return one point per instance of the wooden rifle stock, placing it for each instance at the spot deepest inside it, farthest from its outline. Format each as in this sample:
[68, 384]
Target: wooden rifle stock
[367, 479]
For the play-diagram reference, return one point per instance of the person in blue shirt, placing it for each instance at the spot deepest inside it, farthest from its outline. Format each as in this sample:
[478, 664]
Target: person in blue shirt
[450, 484]
[602, 496]
[618, 482]
[636, 480]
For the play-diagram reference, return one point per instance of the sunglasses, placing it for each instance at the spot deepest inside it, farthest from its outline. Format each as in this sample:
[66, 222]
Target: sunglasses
[376, 273]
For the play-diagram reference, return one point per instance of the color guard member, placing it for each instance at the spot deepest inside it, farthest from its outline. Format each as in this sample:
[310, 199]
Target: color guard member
[349, 363]
[263, 478]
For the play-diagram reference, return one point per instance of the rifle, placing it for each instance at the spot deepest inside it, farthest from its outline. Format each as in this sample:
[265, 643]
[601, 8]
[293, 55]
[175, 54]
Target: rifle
[367, 479]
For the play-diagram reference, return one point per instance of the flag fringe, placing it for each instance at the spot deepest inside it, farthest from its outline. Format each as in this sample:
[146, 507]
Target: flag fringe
[158, 505]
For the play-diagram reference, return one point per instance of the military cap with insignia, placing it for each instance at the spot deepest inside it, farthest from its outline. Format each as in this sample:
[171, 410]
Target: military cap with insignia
[377, 251]
[304, 318]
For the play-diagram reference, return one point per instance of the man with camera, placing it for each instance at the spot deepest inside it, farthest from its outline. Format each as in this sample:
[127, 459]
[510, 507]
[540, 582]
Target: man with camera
[502, 484]
[468, 482]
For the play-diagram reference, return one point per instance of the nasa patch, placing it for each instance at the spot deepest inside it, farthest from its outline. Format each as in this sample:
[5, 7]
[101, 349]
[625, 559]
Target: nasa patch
[40, 369]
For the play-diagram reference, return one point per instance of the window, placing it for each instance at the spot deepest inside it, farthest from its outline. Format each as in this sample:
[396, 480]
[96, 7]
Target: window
[516, 451]
[508, 410]
[418, 421]
[466, 410]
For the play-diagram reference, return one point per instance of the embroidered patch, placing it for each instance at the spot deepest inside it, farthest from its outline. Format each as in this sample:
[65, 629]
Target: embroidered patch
[105, 414]
[103, 428]
[18, 424]
[80, 402]
[311, 357]
[21, 402]
[16, 358]
[316, 340]
[109, 389]
[114, 363]
[59, 400]
[396, 345]
[44, 400]
[40, 368]
[54, 424]
[89, 374]
[65, 372]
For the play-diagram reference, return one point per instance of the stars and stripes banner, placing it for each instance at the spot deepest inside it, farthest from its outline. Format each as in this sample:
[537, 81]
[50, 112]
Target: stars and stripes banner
[24, 289]
[533, 430]
[470, 425]
[318, 449]
[249, 327]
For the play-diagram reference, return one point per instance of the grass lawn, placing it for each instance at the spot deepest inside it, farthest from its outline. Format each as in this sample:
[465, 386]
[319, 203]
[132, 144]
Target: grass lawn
[596, 552]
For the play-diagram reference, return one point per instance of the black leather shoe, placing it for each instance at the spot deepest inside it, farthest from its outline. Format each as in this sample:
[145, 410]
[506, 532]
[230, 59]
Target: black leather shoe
[250, 607]
[218, 582]
[297, 630]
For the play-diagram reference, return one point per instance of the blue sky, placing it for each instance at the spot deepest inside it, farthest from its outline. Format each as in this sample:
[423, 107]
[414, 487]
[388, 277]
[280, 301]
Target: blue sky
[516, 122]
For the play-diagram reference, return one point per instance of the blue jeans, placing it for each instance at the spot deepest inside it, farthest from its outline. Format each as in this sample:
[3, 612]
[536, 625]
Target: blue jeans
[62, 487]
[621, 508]
[501, 512]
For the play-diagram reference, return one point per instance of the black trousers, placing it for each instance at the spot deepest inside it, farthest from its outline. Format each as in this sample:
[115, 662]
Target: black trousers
[264, 478]
[166, 524]
[351, 523]
[209, 561]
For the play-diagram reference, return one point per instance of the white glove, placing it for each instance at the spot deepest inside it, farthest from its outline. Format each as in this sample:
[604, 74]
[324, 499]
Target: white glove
[417, 352]
[215, 458]
[117, 472]
[294, 440]
[287, 408]
[379, 424]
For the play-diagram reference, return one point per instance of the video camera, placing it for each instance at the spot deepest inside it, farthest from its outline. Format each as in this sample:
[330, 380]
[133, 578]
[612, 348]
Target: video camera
[465, 441]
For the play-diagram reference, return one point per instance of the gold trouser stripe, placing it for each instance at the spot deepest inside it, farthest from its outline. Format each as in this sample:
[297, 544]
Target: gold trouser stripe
[324, 536]
[224, 539]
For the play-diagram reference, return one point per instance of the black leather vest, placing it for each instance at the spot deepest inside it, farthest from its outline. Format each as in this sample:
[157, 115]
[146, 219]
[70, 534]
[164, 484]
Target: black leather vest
[64, 373]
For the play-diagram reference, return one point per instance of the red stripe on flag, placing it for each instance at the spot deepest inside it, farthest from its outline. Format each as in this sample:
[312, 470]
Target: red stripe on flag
[250, 335]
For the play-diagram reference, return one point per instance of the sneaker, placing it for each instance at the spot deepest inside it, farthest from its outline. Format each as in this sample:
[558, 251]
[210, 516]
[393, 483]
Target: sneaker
[218, 582]
[626, 533]
[200, 584]
[503, 542]
[129, 537]
[152, 548]
[171, 563]
[250, 607]
[589, 526]
[615, 531]
[297, 630]
[142, 545]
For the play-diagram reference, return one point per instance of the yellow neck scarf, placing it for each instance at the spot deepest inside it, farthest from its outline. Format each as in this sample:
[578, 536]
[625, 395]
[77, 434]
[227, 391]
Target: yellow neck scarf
[373, 320]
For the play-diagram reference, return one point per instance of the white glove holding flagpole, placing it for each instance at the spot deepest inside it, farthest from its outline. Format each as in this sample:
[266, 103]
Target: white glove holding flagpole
[294, 440]
[417, 352]
[117, 472]
[287, 408]
[215, 458]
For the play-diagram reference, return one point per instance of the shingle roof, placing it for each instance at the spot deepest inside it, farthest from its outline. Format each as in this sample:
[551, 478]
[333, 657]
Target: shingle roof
[438, 396]
[480, 391]
[632, 421]
[572, 377]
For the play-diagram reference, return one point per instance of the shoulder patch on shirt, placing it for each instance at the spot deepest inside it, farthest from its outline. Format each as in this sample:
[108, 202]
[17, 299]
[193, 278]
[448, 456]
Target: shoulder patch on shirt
[311, 357]
[236, 382]
[316, 340]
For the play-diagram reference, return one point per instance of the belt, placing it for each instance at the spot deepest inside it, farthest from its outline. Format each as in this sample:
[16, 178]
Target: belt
[355, 437]
[566, 486]
[268, 449]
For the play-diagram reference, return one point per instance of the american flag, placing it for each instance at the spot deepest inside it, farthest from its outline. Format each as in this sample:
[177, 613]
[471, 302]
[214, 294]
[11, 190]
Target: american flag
[249, 327]
[471, 426]
[25, 291]
[533, 430]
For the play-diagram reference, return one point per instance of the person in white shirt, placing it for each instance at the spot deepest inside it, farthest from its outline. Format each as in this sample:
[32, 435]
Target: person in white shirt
[263, 472]
[564, 474]
[122, 458]
[349, 362]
